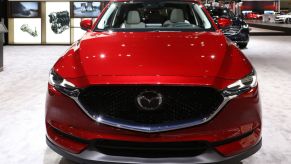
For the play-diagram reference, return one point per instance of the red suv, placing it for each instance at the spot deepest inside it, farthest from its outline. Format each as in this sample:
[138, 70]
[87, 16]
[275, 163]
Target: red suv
[153, 81]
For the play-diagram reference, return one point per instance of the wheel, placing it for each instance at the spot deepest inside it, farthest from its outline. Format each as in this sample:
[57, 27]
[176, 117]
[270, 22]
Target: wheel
[242, 45]
[288, 20]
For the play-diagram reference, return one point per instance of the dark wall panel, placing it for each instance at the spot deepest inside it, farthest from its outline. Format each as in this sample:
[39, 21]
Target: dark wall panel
[3, 7]
[259, 6]
[3, 14]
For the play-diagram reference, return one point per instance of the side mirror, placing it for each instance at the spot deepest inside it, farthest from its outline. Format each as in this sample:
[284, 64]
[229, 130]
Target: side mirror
[224, 22]
[86, 24]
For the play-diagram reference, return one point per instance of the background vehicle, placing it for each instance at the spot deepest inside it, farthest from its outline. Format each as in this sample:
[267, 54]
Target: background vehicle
[279, 13]
[253, 15]
[283, 18]
[236, 30]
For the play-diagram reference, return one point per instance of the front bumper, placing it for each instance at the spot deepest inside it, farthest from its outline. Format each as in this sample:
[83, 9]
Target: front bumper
[69, 129]
[91, 156]
[64, 118]
[241, 37]
[279, 20]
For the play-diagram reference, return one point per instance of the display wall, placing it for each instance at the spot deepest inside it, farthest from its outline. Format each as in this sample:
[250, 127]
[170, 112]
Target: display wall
[49, 22]
[260, 6]
[285, 5]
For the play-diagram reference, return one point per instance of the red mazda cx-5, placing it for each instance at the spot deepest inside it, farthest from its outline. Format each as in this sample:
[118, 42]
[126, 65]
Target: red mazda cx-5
[153, 81]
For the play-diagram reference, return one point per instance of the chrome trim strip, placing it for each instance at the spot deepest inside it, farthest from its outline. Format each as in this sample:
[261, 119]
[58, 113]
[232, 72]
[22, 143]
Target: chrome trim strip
[151, 129]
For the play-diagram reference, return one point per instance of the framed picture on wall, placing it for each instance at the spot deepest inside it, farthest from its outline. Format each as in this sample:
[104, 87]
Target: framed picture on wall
[24, 9]
[58, 23]
[83, 9]
[27, 31]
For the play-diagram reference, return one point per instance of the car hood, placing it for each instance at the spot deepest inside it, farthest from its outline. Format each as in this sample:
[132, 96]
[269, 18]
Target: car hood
[284, 16]
[186, 54]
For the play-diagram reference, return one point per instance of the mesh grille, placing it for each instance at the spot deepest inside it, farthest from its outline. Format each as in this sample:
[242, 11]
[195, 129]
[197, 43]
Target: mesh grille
[151, 150]
[180, 103]
[232, 30]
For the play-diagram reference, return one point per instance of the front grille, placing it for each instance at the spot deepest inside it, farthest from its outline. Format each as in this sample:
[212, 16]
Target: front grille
[180, 103]
[151, 150]
[233, 30]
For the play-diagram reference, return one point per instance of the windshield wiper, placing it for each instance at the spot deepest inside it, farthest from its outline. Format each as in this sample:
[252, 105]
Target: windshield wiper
[164, 30]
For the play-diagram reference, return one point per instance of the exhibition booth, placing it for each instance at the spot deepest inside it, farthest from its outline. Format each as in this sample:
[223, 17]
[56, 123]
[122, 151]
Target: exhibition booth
[46, 22]
[49, 22]
[145, 81]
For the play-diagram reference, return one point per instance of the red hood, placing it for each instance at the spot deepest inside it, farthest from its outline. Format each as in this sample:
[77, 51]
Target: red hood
[180, 54]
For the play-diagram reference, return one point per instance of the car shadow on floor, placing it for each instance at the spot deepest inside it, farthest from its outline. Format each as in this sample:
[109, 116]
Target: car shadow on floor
[66, 161]
[50, 157]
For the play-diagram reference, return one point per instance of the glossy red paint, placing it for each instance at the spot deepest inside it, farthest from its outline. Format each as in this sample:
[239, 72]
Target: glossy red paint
[224, 22]
[86, 24]
[241, 145]
[152, 54]
[63, 142]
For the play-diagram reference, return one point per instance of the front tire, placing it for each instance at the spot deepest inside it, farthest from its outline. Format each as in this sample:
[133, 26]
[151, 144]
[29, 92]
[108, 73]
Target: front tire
[288, 21]
[242, 45]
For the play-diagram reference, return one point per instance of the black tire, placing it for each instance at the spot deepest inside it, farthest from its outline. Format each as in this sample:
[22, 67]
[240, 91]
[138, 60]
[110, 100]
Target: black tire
[242, 45]
[288, 20]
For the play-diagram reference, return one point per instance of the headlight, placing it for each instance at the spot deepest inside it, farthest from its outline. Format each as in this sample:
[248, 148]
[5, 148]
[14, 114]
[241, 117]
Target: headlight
[245, 26]
[240, 86]
[63, 85]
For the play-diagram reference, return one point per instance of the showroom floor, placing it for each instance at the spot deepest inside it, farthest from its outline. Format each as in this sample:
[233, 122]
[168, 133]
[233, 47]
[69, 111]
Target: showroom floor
[23, 86]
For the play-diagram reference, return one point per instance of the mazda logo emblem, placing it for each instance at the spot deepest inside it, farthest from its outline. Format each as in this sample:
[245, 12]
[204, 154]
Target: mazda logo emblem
[149, 100]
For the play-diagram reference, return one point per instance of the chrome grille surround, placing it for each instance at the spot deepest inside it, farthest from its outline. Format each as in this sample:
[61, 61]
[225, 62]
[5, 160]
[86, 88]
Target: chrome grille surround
[152, 128]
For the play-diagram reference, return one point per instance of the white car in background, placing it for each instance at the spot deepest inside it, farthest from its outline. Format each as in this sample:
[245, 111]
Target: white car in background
[283, 18]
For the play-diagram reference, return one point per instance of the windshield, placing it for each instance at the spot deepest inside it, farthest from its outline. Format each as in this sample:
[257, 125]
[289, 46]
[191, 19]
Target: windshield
[221, 12]
[154, 15]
